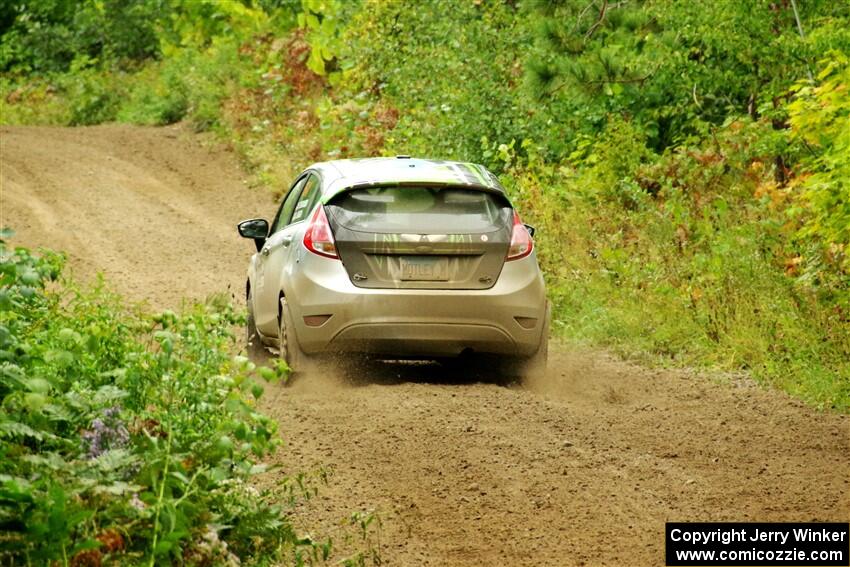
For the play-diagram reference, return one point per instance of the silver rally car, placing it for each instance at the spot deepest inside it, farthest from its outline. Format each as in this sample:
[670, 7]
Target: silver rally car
[399, 258]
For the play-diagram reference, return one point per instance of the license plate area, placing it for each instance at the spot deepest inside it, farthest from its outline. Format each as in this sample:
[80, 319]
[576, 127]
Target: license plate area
[424, 268]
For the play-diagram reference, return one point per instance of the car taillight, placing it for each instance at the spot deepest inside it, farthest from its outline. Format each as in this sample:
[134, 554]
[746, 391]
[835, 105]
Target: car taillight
[318, 238]
[521, 242]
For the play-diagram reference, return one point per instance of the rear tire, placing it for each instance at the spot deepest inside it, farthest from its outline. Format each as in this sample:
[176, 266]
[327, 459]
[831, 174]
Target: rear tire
[290, 351]
[533, 366]
[256, 352]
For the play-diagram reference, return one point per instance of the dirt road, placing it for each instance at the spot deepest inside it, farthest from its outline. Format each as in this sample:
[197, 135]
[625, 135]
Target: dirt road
[151, 208]
[583, 466]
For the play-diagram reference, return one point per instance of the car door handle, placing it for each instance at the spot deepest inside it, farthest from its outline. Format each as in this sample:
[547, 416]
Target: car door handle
[286, 240]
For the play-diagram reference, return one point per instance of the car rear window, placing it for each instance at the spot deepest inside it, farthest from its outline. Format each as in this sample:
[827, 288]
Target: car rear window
[420, 210]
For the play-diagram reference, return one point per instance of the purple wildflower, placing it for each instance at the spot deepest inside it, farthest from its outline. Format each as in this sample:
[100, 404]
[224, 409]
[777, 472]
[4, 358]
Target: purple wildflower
[106, 433]
[112, 412]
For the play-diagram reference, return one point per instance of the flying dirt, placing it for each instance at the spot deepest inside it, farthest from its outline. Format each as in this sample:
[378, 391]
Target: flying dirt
[582, 466]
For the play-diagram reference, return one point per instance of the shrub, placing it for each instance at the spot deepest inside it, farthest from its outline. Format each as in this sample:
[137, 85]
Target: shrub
[188, 85]
[685, 258]
[48, 35]
[819, 117]
[127, 437]
[452, 68]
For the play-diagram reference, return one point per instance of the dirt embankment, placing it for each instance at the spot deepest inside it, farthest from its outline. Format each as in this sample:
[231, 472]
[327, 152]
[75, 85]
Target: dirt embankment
[582, 466]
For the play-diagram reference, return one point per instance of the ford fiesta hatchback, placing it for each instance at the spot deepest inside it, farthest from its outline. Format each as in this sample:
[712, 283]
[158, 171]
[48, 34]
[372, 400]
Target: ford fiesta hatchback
[399, 258]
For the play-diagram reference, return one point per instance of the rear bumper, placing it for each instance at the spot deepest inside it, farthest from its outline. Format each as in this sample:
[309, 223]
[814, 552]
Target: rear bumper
[405, 322]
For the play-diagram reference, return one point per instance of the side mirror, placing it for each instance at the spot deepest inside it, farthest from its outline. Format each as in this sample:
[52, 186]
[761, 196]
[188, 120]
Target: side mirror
[255, 229]
[531, 230]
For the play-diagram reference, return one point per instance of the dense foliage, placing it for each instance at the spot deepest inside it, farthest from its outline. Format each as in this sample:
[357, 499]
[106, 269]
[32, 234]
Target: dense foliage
[676, 68]
[820, 119]
[127, 438]
[686, 162]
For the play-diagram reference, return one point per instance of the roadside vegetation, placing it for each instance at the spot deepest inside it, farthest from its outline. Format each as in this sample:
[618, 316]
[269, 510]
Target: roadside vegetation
[130, 438]
[686, 163]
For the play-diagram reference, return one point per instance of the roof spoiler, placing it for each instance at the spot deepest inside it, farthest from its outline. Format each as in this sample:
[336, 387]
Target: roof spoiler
[441, 184]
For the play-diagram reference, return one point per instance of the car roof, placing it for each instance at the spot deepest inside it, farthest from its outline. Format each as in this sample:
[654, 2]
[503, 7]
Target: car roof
[339, 175]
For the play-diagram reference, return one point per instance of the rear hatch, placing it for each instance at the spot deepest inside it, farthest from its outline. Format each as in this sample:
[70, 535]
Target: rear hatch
[421, 237]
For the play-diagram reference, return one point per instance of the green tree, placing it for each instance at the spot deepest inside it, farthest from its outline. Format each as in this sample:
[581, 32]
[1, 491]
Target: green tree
[48, 35]
[676, 67]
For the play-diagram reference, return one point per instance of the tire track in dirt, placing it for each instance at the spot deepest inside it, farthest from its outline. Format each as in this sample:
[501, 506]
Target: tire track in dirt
[580, 467]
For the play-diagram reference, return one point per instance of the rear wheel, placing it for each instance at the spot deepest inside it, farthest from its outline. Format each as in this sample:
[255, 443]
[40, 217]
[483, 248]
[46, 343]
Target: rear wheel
[291, 353]
[533, 366]
[255, 349]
